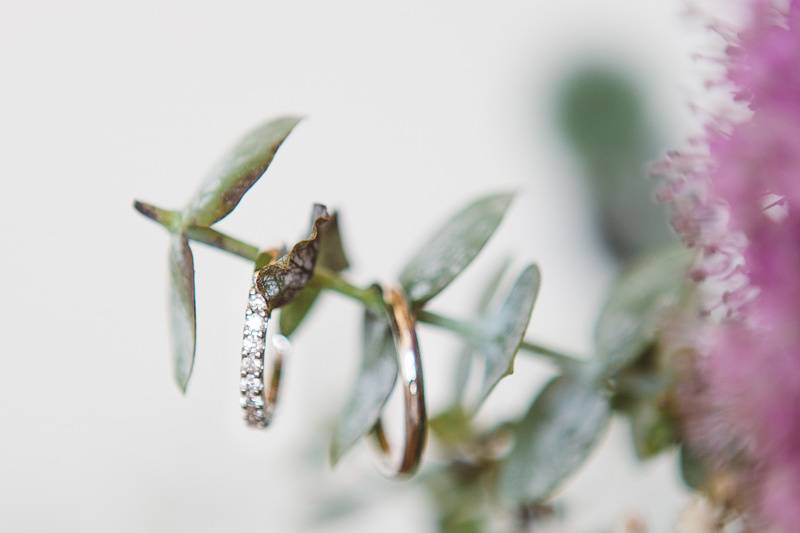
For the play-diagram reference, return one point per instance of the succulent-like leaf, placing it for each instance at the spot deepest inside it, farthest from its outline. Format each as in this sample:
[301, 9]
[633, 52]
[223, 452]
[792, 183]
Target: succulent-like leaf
[237, 171]
[506, 330]
[553, 439]
[183, 328]
[627, 325]
[281, 280]
[332, 256]
[332, 253]
[374, 384]
[294, 313]
[464, 364]
[452, 247]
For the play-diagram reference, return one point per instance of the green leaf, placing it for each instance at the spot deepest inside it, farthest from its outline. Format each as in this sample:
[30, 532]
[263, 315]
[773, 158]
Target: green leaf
[604, 117]
[629, 321]
[553, 439]
[452, 247]
[293, 313]
[336, 507]
[183, 324]
[506, 330]
[266, 257]
[464, 365]
[458, 495]
[454, 522]
[452, 427]
[332, 256]
[693, 470]
[653, 429]
[282, 279]
[373, 386]
[238, 170]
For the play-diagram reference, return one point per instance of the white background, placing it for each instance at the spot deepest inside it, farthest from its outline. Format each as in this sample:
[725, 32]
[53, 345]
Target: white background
[413, 108]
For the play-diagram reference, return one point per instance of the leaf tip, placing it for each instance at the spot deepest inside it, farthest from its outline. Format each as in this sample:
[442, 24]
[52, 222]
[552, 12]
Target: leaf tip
[182, 382]
[291, 121]
[165, 217]
[505, 198]
[146, 209]
[534, 272]
[335, 452]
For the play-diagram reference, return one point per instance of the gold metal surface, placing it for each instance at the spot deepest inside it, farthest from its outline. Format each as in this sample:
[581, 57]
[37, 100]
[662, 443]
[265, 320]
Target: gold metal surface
[403, 326]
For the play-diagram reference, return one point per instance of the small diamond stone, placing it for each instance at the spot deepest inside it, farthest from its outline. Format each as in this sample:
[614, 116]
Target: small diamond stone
[257, 303]
[255, 324]
[251, 365]
[272, 288]
[251, 383]
[252, 401]
[252, 344]
[254, 416]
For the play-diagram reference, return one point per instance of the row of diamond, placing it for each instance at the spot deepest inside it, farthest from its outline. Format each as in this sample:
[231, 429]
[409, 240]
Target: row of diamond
[252, 367]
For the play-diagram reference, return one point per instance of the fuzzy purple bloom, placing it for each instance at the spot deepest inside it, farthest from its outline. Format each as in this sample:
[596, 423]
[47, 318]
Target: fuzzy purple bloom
[736, 201]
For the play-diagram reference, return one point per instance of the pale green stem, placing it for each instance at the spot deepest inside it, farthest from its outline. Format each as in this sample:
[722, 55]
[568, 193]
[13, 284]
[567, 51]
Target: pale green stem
[474, 333]
[329, 280]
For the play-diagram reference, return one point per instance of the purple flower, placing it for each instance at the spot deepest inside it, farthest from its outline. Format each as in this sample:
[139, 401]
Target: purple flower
[735, 199]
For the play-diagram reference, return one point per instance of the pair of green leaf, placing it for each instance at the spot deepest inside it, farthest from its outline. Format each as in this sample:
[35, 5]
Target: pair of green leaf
[466, 355]
[438, 262]
[564, 421]
[222, 191]
[560, 428]
[502, 330]
[446, 254]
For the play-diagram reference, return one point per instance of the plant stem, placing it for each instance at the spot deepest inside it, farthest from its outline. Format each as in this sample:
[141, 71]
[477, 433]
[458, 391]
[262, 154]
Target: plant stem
[473, 332]
[329, 280]
[465, 329]
[223, 242]
[559, 358]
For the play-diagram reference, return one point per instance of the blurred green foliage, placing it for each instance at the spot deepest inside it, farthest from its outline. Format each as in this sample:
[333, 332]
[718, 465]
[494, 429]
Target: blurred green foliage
[601, 113]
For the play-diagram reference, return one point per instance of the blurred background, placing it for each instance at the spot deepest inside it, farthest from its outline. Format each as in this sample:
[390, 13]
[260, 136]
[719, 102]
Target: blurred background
[413, 108]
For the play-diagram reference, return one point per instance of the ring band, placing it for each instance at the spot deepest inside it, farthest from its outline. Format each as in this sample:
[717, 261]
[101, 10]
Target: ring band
[402, 324]
[258, 400]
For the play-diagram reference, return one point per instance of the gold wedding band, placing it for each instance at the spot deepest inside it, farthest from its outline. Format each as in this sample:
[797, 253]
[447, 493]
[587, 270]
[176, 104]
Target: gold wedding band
[403, 326]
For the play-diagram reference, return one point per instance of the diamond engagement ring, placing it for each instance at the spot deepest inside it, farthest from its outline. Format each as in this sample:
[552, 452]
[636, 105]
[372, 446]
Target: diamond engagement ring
[258, 399]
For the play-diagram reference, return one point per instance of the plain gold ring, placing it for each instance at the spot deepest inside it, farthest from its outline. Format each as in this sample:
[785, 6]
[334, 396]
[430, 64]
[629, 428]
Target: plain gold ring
[403, 326]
